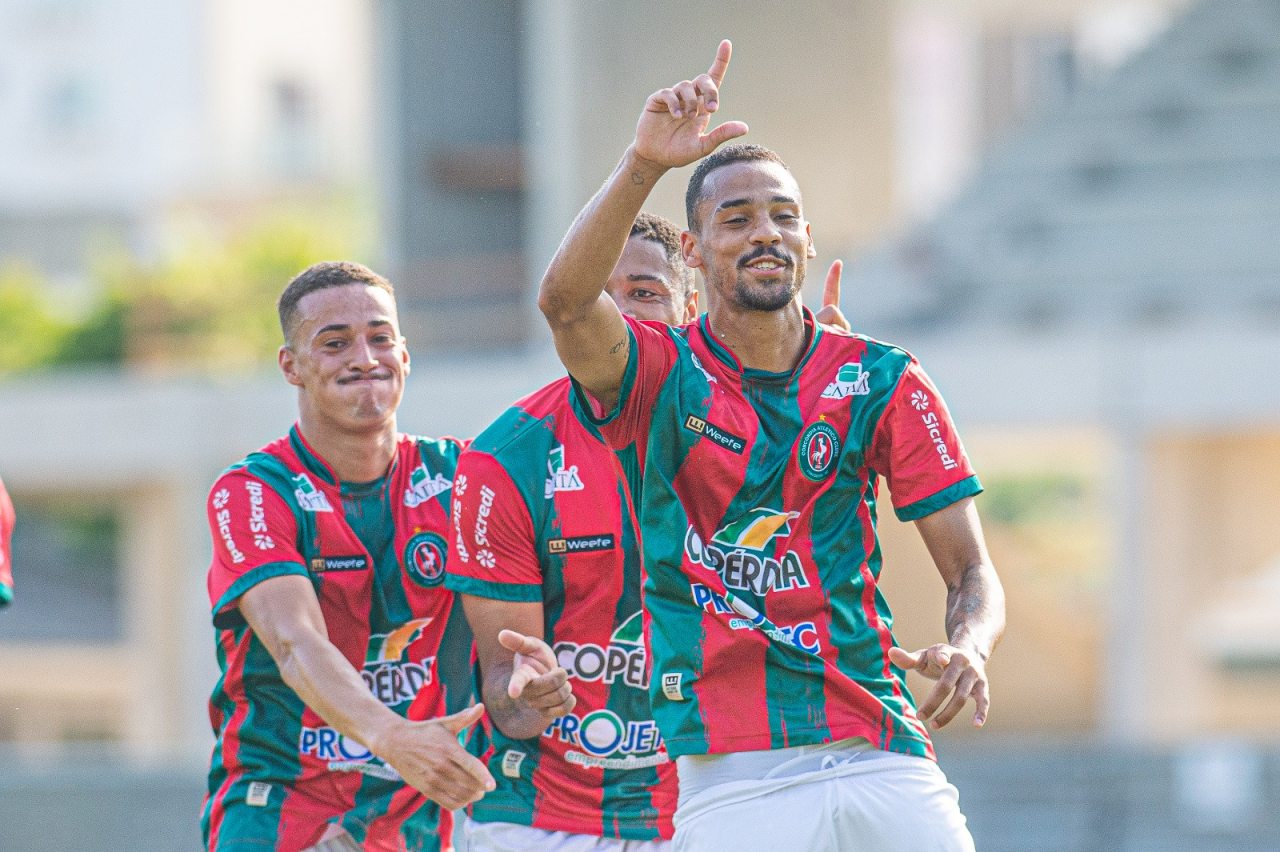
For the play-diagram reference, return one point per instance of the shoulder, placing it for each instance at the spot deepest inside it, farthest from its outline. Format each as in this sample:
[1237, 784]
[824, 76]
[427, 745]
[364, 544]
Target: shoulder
[533, 423]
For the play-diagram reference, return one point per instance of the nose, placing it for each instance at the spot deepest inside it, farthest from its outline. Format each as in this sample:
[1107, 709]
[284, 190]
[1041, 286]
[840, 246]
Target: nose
[766, 232]
[362, 355]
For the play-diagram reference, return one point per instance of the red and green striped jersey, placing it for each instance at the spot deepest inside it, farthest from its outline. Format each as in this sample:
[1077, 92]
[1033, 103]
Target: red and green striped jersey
[766, 626]
[374, 552]
[542, 513]
[6, 545]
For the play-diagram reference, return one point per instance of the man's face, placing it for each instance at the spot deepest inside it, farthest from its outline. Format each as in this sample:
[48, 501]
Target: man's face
[752, 242]
[346, 355]
[643, 286]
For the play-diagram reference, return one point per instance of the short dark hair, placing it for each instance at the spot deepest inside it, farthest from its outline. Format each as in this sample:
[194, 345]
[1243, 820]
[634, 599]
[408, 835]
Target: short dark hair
[664, 232]
[321, 276]
[744, 153]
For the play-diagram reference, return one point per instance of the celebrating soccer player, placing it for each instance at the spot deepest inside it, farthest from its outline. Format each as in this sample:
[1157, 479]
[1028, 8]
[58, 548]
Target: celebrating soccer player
[759, 437]
[340, 648]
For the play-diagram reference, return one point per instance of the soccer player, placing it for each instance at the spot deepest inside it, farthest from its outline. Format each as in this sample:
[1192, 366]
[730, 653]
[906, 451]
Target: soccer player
[759, 436]
[545, 544]
[6, 546]
[341, 651]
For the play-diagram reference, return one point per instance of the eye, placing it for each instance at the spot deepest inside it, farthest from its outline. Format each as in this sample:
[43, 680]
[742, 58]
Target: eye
[334, 343]
[787, 217]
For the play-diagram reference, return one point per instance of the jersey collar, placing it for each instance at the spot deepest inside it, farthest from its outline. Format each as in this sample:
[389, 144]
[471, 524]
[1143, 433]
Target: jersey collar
[722, 353]
[320, 468]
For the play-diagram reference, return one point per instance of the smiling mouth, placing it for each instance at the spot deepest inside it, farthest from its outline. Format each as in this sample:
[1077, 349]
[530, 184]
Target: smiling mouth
[764, 261]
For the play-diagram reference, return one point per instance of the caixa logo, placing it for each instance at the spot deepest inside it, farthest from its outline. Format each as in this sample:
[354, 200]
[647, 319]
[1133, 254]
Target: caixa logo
[623, 659]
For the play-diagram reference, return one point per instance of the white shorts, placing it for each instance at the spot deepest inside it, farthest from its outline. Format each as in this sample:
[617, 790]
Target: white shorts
[510, 837]
[818, 798]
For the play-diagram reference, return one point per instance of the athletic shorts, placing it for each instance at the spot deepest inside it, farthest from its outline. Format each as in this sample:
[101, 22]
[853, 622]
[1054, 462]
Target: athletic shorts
[510, 837]
[844, 796]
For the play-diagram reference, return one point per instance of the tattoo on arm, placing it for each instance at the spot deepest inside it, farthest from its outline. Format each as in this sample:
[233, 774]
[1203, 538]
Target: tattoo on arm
[618, 347]
[967, 607]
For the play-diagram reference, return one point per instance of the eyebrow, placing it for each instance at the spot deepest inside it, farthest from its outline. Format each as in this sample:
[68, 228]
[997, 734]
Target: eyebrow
[639, 276]
[339, 326]
[743, 202]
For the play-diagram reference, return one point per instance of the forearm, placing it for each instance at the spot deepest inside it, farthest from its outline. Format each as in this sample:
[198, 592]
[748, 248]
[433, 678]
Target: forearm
[513, 717]
[975, 609]
[577, 274]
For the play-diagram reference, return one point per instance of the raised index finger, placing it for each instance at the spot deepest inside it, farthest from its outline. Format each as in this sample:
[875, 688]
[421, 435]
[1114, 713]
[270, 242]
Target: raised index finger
[721, 63]
[831, 292]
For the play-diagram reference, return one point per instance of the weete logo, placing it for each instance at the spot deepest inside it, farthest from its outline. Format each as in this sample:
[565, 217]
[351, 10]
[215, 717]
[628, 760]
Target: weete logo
[581, 544]
[715, 434]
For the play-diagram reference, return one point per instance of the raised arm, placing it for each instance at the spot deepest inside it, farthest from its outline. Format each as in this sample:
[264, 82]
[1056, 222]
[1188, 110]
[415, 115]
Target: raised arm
[590, 334]
[975, 615]
[285, 615]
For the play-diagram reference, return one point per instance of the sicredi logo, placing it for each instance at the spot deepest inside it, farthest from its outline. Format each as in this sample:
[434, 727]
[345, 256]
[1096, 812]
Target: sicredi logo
[919, 400]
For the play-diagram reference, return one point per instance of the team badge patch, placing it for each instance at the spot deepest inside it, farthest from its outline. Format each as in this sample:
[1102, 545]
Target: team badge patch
[424, 559]
[819, 451]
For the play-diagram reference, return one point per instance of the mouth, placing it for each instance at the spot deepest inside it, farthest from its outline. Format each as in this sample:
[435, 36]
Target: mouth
[766, 263]
[366, 377]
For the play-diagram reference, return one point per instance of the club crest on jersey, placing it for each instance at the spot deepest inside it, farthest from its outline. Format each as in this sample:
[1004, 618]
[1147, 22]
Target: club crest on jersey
[422, 486]
[559, 477]
[851, 380]
[818, 451]
[310, 498]
[424, 559]
[742, 553]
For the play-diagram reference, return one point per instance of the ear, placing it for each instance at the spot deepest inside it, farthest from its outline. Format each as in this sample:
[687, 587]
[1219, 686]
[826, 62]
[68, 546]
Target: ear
[812, 251]
[404, 355]
[288, 365]
[690, 250]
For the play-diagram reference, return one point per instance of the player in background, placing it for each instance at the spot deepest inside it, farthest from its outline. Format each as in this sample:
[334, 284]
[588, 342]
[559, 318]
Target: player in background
[6, 546]
[545, 545]
[341, 651]
[760, 437]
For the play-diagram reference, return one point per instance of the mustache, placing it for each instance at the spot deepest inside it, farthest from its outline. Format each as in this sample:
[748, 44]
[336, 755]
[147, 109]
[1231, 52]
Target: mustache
[765, 251]
[381, 374]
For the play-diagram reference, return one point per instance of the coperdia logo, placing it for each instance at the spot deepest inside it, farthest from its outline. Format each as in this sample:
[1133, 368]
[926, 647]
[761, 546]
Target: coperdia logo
[310, 498]
[423, 486]
[559, 477]
[424, 559]
[742, 553]
[623, 659]
[818, 451]
[850, 380]
[388, 673]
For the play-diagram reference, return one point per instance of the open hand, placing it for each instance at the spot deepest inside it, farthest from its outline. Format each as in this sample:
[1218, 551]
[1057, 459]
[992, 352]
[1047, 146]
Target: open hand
[536, 680]
[429, 758]
[672, 129]
[960, 675]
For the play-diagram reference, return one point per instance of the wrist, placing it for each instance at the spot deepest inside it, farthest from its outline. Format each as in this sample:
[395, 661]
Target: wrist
[640, 169]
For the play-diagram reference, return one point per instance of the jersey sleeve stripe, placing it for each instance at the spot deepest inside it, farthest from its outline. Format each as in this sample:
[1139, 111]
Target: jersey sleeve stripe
[224, 619]
[967, 487]
[515, 592]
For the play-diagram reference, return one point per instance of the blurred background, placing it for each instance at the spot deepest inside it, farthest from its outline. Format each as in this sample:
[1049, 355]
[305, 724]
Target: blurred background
[1068, 209]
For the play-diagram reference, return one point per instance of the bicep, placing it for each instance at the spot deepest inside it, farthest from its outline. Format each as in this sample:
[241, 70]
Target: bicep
[283, 612]
[594, 348]
[953, 536]
[490, 616]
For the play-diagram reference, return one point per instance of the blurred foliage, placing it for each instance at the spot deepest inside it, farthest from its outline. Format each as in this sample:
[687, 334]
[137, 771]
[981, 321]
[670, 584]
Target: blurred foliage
[206, 303]
[1040, 496]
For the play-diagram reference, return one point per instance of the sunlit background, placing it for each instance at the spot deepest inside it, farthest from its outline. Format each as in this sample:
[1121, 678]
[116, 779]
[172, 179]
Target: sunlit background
[1068, 209]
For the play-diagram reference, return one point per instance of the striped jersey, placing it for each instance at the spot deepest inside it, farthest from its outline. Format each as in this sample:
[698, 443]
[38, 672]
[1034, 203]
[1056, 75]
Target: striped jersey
[374, 552]
[766, 625]
[6, 549]
[542, 513]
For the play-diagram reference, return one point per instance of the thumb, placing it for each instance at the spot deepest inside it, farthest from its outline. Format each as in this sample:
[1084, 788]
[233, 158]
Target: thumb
[529, 646]
[722, 134]
[463, 719]
[905, 659]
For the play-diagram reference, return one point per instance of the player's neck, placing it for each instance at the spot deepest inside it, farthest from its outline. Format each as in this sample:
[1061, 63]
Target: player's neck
[762, 340]
[354, 456]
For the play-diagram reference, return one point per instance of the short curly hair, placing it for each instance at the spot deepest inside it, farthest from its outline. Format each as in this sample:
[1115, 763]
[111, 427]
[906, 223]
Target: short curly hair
[664, 232]
[321, 276]
[724, 157]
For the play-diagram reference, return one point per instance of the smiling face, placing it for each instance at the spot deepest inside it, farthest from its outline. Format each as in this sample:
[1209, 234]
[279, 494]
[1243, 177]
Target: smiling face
[644, 286]
[346, 356]
[751, 240]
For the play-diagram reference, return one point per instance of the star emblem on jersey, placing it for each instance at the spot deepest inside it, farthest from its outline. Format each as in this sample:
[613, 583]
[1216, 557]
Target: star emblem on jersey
[919, 400]
[851, 380]
[424, 559]
[818, 451]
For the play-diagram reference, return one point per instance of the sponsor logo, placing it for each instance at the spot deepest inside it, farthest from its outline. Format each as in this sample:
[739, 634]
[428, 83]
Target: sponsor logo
[342, 754]
[511, 763]
[422, 486]
[388, 672]
[459, 546]
[803, 635]
[223, 518]
[310, 498]
[460, 485]
[481, 533]
[701, 369]
[818, 451]
[622, 660]
[581, 544]
[934, 425]
[559, 477]
[671, 686]
[724, 438]
[258, 517]
[850, 380]
[919, 400]
[258, 795]
[740, 553]
[608, 742]
[486, 558]
[321, 564]
[424, 559]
